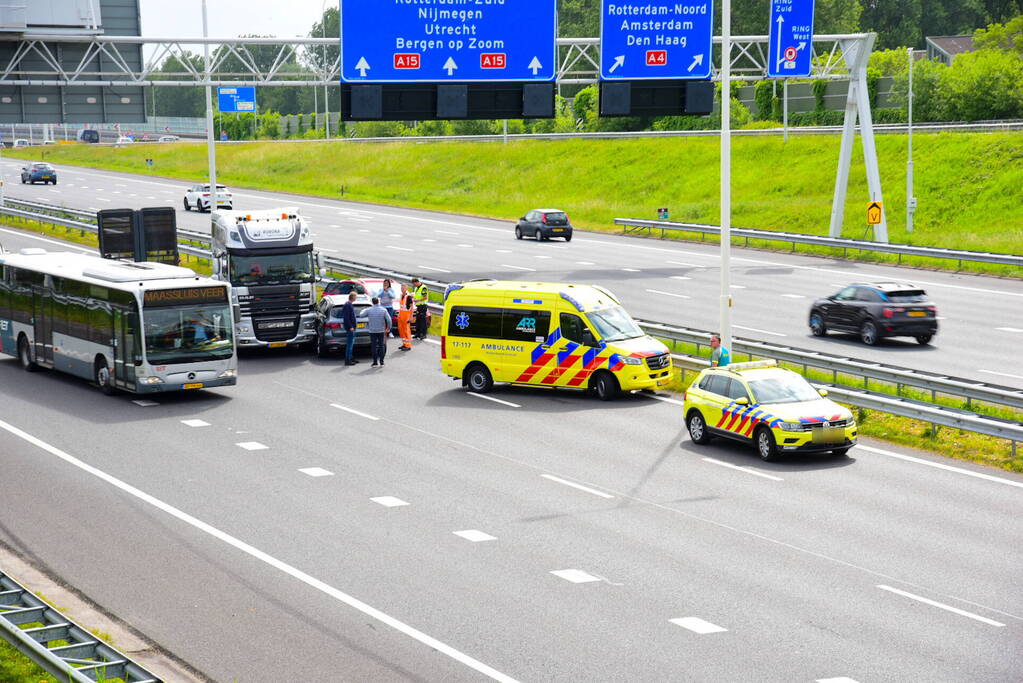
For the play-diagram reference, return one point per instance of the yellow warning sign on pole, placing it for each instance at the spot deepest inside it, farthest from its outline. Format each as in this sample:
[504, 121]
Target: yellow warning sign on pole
[874, 213]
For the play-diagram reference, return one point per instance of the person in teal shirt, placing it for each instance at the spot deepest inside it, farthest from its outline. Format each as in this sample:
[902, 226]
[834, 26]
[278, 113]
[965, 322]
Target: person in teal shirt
[719, 357]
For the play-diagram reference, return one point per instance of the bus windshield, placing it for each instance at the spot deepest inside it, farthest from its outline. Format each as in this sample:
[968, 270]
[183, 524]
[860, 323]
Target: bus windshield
[279, 269]
[614, 324]
[188, 334]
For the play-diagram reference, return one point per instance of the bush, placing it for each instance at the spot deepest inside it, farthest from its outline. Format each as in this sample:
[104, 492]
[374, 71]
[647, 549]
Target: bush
[586, 100]
[890, 116]
[472, 127]
[432, 128]
[380, 129]
[981, 85]
[767, 102]
[686, 122]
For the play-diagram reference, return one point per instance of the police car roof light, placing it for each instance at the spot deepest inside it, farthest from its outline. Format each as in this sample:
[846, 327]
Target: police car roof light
[568, 297]
[751, 365]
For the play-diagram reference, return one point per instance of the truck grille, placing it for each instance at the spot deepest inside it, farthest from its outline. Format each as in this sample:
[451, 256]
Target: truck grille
[659, 362]
[273, 301]
[276, 329]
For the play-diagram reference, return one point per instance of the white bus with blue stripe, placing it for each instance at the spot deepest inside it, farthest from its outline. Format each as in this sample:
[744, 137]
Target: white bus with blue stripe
[137, 327]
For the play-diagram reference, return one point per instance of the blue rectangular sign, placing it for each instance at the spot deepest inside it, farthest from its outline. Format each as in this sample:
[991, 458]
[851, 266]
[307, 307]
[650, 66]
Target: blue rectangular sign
[437, 41]
[790, 50]
[234, 100]
[656, 39]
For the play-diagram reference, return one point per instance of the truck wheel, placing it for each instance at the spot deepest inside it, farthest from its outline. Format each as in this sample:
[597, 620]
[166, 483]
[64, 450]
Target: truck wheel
[605, 386]
[478, 378]
[101, 373]
[25, 356]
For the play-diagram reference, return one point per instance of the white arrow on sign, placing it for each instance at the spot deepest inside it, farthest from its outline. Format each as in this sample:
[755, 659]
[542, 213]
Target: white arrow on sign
[781, 21]
[450, 66]
[697, 61]
[535, 65]
[800, 46]
[362, 66]
[619, 61]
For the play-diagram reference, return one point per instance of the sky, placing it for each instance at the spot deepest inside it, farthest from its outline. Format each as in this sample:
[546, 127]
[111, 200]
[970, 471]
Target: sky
[231, 18]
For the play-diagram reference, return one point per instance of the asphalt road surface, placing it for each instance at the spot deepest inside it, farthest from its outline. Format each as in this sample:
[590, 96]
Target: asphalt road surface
[322, 522]
[981, 318]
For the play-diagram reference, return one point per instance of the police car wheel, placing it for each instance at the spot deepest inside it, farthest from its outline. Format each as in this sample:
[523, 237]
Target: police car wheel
[765, 444]
[479, 379]
[868, 333]
[697, 428]
[817, 325]
[605, 386]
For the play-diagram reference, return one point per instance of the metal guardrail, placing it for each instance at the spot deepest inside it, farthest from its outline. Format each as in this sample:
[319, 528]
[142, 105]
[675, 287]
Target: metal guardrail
[836, 242]
[933, 382]
[81, 657]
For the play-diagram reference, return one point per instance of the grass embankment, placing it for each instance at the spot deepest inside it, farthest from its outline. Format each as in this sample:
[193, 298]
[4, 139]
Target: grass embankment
[968, 184]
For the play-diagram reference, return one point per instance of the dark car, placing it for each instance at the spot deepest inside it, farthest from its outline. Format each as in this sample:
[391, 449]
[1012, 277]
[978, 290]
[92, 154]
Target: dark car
[345, 287]
[875, 311]
[330, 332]
[544, 224]
[38, 172]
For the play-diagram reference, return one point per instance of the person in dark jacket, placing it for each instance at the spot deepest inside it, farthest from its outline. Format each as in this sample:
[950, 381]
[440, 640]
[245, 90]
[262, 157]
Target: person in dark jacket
[348, 321]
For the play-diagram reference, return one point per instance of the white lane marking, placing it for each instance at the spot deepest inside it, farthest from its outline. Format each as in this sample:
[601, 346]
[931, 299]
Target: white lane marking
[145, 404]
[738, 286]
[680, 277]
[475, 535]
[755, 329]
[31, 236]
[680, 296]
[840, 679]
[793, 296]
[335, 225]
[747, 470]
[584, 263]
[665, 399]
[254, 552]
[332, 251]
[446, 232]
[115, 192]
[503, 251]
[1008, 329]
[432, 341]
[363, 230]
[102, 199]
[683, 263]
[631, 270]
[505, 265]
[389, 501]
[574, 485]
[359, 220]
[353, 411]
[438, 270]
[464, 246]
[150, 197]
[575, 575]
[941, 605]
[942, 466]
[391, 246]
[394, 234]
[120, 185]
[698, 625]
[495, 400]
[541, 256]
[316, 472]
[195, 423]
[429, 239]
[93, 208]
[1001, 374]
[252, 446]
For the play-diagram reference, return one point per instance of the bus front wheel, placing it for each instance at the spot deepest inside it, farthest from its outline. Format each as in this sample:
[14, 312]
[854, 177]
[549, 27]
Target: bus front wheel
[25, 355]
[102, 376]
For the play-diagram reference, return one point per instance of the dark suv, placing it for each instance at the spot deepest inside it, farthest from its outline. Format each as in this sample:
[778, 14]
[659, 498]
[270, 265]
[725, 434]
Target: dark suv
[330, 332]
[544, 224]
[877, 310]
[38, 172]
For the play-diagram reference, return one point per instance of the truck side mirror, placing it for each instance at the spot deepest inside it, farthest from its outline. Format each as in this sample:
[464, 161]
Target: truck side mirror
[323, 272]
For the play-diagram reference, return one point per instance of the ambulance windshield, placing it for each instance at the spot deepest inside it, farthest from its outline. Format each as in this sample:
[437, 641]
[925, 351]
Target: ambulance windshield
[614, 324]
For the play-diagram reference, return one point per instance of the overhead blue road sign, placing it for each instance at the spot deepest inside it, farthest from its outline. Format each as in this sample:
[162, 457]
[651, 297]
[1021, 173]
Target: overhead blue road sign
[438, 41]
[655, 39]
[790, 51]
[233, 100]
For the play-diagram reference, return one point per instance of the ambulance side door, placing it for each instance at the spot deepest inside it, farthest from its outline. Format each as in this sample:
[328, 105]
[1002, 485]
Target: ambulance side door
[528, 329]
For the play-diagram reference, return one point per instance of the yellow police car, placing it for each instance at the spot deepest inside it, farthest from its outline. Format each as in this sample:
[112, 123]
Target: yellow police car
[770, 407]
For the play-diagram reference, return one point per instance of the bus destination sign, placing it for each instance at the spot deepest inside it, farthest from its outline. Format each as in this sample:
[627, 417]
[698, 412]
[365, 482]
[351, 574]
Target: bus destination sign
[185, 297]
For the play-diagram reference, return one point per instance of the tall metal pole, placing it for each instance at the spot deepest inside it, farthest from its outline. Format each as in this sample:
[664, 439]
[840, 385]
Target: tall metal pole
[910, 199]
[211, 151]
[785, 107]
[326, 101]
[725, 327]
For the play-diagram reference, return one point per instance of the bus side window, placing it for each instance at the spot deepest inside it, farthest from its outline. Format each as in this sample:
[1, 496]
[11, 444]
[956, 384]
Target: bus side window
[5, 298]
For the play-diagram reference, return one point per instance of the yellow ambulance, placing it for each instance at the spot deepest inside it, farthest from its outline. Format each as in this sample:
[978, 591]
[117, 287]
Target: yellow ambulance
[548, 334]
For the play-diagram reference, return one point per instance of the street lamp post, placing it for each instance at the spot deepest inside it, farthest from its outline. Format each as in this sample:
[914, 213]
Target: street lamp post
[725, 327]
[326, 100]
[211, 151]
[910, 199]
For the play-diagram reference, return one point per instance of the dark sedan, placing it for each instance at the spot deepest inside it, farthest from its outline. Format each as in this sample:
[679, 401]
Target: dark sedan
[330, 332]
[543, 224]
[875, 311]
[38, 173]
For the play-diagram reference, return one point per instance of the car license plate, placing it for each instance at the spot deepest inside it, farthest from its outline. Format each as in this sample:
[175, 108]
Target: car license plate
[361, 325]
[278, 345]
[194, 385]
[559, 230]
[828, 435]
[917, 314]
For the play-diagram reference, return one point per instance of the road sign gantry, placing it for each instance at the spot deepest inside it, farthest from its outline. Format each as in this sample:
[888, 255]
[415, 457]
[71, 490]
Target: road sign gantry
[656, 40]
[432, 41]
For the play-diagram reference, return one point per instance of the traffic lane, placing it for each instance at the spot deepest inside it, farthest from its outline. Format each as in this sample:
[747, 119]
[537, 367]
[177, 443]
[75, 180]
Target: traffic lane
[586, 544]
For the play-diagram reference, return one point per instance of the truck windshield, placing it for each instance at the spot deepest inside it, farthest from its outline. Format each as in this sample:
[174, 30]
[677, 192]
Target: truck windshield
[280, 269]
[614, 324]
[188, 334]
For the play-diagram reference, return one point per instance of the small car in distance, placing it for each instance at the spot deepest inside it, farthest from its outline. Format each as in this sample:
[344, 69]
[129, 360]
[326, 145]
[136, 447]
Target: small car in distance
[125, 140]
[543, 224]
[168, 138]
[20, 142]
[877, 310]
[773, 409]
[198, 197]
[38, 172]
[88, 136]
[330, 332]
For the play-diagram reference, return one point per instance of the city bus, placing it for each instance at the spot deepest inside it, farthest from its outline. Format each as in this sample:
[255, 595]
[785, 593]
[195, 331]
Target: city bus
[137, 327]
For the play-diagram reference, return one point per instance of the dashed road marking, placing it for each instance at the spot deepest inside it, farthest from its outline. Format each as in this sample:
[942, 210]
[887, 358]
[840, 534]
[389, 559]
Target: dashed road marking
[389, 501]
[505, 265]
[657, 291]
[666, 399]
[1001, 374]
[680, 277]
[698, 625]
[353, 411]
[391, 246]
[475, 535]
[584, 263]
[840, 679]
[195, 423]
[252, 446]
[575, 575]
[683, 263]
[438, 270]
[631, 270]
[495, 400]
[316, 472]
[1008, 329]
[942, 466]
[447, 232]
[747, 470]
[793, 296]
[755, 329]
[941, 605]
[574, 485]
